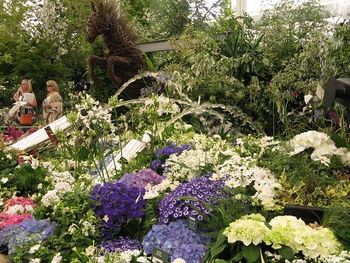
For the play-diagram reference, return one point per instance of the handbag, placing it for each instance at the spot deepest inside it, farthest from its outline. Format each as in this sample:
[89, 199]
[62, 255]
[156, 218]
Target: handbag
[26, 116]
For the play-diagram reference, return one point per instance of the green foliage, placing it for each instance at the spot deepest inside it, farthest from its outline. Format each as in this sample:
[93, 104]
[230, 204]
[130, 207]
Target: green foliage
[26, 179]
[76, 226]
[307, 182]
[341, 50]
[337, 218]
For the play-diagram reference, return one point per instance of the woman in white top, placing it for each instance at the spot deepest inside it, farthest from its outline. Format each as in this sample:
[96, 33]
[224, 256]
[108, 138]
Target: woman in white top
[26, 87]
[24, 94]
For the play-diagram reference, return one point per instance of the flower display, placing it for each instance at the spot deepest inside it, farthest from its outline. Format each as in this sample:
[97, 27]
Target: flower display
[165, 153]
[153, 191]
[12, 219]
[323, 146]
[241, 172]
[177, 240]
[116, 203]
[162, 104]
[203, 189]
[250, 229]
[142, 178]
[12, 134]
[283, 231]
[293, 232]
[19, 205]
[30, 231]
[91, 113]
[204, 152]
[120, 244]
[62, 182]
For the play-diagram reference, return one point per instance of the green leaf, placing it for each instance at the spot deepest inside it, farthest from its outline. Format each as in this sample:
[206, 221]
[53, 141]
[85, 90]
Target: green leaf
[286, 253]
[237, 257]
[219, 245]
[220, 261]
[251, 253]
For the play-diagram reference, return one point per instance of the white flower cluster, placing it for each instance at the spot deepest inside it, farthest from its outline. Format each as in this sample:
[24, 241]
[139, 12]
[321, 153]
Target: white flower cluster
[162, 104]
[188, 165]
[250, 229]
[92, 113]
[284, 231]
[242, 171]
[153, 191]
[323, 147]
[19, 209]
[293, 232]
[62, 182]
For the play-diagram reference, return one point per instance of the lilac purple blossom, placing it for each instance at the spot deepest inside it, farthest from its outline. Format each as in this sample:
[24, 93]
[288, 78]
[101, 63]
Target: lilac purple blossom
[177, 240]
[172, 206]
[115, 203]
[121, 244]
[142, 178]
[164, 153]
[28, 232]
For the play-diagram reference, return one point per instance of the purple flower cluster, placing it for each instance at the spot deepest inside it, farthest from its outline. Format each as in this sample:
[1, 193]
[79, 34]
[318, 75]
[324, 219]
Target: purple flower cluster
[116, 203]
[28, 232]
[121, 244]
[175, 205]
[164, 153]
[177, 240]
[142, 178]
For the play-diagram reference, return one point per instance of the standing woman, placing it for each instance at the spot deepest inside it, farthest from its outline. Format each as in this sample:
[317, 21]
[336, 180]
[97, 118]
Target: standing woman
[52, 105]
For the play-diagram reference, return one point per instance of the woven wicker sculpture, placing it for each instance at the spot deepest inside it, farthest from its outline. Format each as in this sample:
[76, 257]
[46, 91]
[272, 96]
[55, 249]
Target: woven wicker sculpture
[123, 59]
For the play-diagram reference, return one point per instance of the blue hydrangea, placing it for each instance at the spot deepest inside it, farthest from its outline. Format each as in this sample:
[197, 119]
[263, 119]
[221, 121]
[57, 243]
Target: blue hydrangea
[30, 231]
[175, 205]
[177, 240]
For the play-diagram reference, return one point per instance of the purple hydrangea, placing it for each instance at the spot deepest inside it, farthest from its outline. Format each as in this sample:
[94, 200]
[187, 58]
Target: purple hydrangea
[121, 244]
[164, 153]
[28, 232]
[115, 203]
[142, 178]
[175, 205]
[177, 240]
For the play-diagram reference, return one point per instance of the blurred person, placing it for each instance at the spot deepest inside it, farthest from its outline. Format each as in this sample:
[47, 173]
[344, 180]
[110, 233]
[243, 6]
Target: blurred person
[25, 103]
[25, 89]
[52, 105]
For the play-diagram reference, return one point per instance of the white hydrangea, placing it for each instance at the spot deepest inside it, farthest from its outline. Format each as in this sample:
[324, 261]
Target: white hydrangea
[293, 232]
[323, 147]
[250, 229]
[179, 260]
